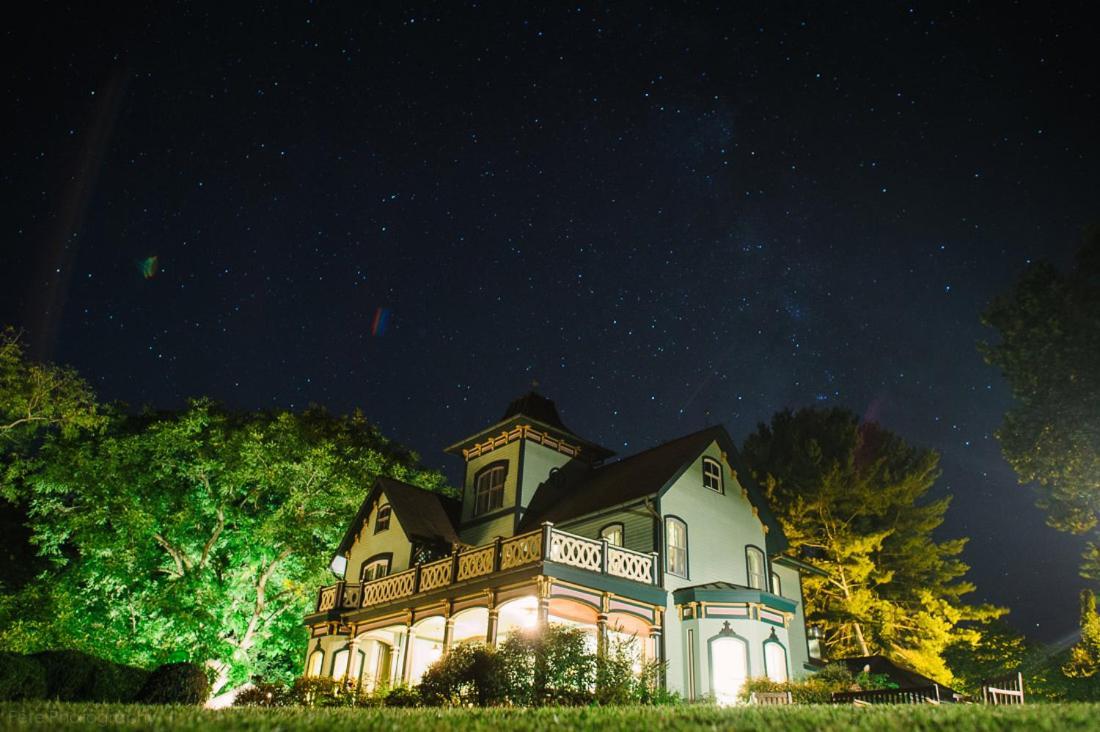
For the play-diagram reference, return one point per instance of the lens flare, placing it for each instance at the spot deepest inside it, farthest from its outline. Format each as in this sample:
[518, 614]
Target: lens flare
[381, 322]
[149, 267]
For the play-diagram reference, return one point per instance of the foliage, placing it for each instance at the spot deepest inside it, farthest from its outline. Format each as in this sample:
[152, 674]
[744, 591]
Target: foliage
[176, 683]
[853, 498]
[401, 697]
[21, 677]
[200, 535]
[992, 650]
[624, 678]
[468, 674]
[1084, 658]
[815, 689]
[549, 668]
[263, 694]
[76, 676]
[962, 717]
[1049, 328]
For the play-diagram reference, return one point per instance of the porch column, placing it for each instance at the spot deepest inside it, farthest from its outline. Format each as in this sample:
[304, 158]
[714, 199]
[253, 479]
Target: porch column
[406, 666]
[491, 627]
[448, 633]
[353, 659]
[544, 602]
[601, 634]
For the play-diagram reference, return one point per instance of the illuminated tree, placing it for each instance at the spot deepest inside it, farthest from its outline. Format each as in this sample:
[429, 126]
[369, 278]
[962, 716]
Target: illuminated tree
[1049, 351]
[202, 534]
[1084, 658]
[852, 498]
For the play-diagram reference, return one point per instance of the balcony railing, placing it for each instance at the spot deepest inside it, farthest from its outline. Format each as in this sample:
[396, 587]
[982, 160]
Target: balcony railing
[545, 544]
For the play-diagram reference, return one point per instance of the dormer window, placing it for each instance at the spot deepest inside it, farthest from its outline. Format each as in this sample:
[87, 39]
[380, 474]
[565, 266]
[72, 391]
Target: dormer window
[375, 568]
[712, 475]
[489, 488]
[382, 520]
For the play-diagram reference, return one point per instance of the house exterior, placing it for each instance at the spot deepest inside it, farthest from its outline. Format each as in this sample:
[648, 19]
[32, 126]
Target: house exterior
[672, 550]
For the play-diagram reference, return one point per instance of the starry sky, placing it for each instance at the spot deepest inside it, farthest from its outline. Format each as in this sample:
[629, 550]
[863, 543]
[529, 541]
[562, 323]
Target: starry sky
[668, 216]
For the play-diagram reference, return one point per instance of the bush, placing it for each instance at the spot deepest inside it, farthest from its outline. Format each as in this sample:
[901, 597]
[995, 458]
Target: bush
[623, 678]
[467, 674]
[551, 668]
[401, 696]
[77, 676]
[819, 688]
[176, 683]
[21, 677]
[264, 695]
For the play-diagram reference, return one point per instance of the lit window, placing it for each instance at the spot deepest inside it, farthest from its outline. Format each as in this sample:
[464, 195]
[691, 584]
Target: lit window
[489, 489]
[676, 547]
[340, 664]
[775, 661]
[382, 520]
[729, 659]
[754, 558]
[712, 475]
[777, 585]
[316, 660]
[613, 533]
[374, 569]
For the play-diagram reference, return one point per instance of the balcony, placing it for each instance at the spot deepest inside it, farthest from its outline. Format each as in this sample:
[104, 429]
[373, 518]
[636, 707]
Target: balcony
[546, 544]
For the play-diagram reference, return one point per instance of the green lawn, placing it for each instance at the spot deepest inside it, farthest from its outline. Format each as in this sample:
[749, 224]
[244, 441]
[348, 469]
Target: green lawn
[62, 716]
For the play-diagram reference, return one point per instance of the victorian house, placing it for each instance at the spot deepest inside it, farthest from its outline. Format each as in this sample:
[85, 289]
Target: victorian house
[673, 550]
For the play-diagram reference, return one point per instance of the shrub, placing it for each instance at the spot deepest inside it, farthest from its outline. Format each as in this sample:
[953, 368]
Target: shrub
[176, 683]
[467, 674]
[401, 696]
[264, 695]
[21, 677]
[551, 668]
[77, 676]
[816, 689]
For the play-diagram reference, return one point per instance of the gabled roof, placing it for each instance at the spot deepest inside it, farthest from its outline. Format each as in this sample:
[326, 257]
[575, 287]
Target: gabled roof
[422, 514]
[639, 476]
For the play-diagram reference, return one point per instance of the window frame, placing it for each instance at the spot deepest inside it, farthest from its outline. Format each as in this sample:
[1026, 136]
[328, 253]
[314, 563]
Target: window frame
[750, 549]
[670, 520]
[614, 525]
[490, 506]
[776, 584]
[772, 640]
[320, 662]
[379, 527]
[372, 560]
[709, 461]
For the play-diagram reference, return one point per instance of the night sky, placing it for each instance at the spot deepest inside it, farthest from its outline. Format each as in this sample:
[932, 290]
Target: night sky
[667, 217]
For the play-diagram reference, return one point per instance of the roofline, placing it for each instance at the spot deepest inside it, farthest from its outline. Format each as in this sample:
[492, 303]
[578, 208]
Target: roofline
[456, 447]
[799, 565]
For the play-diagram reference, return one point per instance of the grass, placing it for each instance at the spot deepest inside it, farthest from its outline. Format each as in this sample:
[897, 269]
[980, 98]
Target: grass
[65, 716]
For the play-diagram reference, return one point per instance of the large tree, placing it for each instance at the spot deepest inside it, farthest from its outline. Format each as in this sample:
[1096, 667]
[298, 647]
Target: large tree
[853, 498]
[1049, 351]
[201, 533]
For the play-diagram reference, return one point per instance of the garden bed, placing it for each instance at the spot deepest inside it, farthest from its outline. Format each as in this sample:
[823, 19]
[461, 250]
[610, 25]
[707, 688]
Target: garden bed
[65, 716]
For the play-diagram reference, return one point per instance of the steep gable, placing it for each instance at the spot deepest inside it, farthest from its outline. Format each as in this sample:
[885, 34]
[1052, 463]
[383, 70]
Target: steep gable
[423, 515]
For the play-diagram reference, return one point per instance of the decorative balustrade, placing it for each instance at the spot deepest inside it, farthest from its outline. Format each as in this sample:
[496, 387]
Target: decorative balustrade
[546, 544]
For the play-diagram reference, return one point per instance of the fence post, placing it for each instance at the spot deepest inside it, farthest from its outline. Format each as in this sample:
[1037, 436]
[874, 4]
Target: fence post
[603, 556]
[656, 567]
[547, 531]
[496, 554]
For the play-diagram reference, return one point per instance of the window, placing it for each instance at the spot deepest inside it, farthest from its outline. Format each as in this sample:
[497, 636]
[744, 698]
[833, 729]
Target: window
[814, 637]
[613, 533]
[729, 666]
[676, 547]
[775, 661]
[374, 569]
[382, 520]
[340, 664]
[712, 475]
[316, 660]
[489, 489]
[777, 585]
[754, 558]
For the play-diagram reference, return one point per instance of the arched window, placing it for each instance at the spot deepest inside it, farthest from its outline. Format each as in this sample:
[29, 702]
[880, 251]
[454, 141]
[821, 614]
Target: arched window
[375, 568]
[775, 660]
[754, 559]
[712, 475]
[613, 533]
[777, 584]
[729, 666]
[316, 663]
[676, 547]
[489, 488]
[382, 520]
[340, 664]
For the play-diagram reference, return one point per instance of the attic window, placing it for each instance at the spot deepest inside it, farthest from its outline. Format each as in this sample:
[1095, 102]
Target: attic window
[382, 520]
[489, 489]
[712, 475]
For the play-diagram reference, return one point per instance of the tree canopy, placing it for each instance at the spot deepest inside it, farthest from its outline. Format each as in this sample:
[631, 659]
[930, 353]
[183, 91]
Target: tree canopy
[853, 498]
[1049, 351]
[202, 533]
